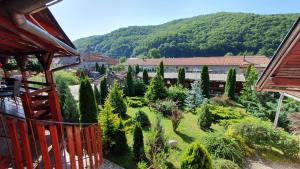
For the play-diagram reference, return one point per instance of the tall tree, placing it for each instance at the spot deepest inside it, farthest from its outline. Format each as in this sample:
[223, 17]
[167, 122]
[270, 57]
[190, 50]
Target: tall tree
[156, 89]
[138, 143]
[247, 94]
[230, 83]
[98, 69]
[145, 77]
[194, 97]
[102, 69]
[103, 90]
[87, 103]
[116, 100]
[181, 77]
[205, 81]
[137, 69]
[129, 86]
[161, 69]
[97, 95]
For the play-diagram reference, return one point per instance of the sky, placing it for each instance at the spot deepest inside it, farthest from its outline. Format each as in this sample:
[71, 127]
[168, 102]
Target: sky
[82, 18]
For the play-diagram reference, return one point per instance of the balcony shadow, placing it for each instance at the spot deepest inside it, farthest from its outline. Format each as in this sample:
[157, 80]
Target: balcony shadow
[185, 137]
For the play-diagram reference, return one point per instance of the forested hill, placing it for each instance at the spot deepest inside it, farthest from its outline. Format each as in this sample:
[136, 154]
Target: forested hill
[205, 35]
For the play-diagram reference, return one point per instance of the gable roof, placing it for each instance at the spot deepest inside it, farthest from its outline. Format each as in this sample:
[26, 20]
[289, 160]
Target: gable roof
[99, 58]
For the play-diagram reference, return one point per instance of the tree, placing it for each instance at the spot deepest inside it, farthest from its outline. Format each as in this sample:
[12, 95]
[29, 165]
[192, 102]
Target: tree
[230, 83]
[194, 97]
[102, 69]
[98, 69]
[154, 53]
[196, 157]
[97, 95]
[160, 69]
[103, 90]
[181, 77]
[157, 143]
[69, 108]
[247, 94]
[87, 103]
[129, 86]
[205, 117]
[205, 81]
[145, 77]
[138, 143]
[120, 139]
[137, 69]
[116, 100]
[156, 89]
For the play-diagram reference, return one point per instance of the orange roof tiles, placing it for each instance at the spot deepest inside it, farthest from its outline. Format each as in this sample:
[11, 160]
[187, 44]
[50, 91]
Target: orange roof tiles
[99, 58]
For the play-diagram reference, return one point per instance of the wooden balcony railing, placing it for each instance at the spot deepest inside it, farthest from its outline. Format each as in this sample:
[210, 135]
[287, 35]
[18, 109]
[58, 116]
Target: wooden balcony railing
[30, 144]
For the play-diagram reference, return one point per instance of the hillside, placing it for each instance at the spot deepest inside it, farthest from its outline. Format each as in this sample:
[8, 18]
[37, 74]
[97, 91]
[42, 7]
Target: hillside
[205, 35]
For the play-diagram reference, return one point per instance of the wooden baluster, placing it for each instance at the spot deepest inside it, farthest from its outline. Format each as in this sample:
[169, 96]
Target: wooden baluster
[88, 146]
[78, 146]
[94, 146]
[43, 145]
[70, 146]
[99, 139]
[55, 146]
[25, 145]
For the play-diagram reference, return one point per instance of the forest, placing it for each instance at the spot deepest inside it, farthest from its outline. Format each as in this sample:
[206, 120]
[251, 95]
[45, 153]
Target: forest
[215, 34]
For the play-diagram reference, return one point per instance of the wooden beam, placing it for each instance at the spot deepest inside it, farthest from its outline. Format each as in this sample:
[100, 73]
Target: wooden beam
[285, 82]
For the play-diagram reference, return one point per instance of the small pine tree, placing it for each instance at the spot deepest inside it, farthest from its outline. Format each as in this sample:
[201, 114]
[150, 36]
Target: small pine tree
[120, 139]
[103, 91]
[158, 140]
[194, 97]
[205, 81]
[205, 117]
[129, 86]
[247, 94]
[97, 95]
[102, 69]
[97, 67]
[161, 69]
[87, 103]
[138, 143]
[116, 100]
[137, 69]
[196, 157]
[145, 77]
[230, 83]
[156, 89]
[181, 77]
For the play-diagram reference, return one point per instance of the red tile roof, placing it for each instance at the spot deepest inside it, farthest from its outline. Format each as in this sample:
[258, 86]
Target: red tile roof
[222, 61]
[99, 58]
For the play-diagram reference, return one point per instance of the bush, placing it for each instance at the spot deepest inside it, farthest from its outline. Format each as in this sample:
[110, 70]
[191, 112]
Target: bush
[177, 94]
[222, 100]
[225, 112]
[120, 139]
[165, 107]
[156, 89]
[176, 118]
[196, 157]
[220, 146]
[142, 118]
[135, 102]
[116, 100]
[139, 87]
[204, 118]
[142, 165]
[138, 143]
[68, 77]
[225, 164]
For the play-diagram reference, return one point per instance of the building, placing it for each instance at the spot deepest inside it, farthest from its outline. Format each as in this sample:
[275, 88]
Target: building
[88, 61]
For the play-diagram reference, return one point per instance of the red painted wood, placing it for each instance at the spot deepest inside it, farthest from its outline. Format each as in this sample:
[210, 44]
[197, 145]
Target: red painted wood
[88, 146]
[43, 145]
[55, 146]
[25, 144]
[70, 146]
[99, 143]
[78, 146]
[15, 143]
[94, 146]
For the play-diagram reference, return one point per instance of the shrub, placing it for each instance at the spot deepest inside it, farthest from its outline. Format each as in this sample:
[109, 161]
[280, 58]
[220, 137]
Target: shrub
[68, 77]
[196, 157]
[176, 118]
[142, 118]
[157, 141]
[134, 103]
[225, 112]
[194, 96]
[222, 101]
[138, 143]
[220, 146]
[165, 107]
[142, 165]
[139, 87]
[204, 117]
[225, 164]
[156, 89]
[120, 139]
[116, 100]
[177, 94]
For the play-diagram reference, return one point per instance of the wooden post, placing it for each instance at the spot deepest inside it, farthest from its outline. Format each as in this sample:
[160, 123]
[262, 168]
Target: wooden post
[278, 110]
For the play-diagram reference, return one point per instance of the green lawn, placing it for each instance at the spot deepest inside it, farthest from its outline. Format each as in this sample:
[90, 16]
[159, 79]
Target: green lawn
[188, 131]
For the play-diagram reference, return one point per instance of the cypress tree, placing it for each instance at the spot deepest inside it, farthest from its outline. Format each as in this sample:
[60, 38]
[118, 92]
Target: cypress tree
[137, 69]
[102, 69]
[103, 90]
[129, 86]
[98, 69]
[230, 83]
[181, 77]
[145, 77]
[116, 100]
[120, 139]
[205, 81]
[87, 103]
[156, 89]
[97, 95]
[138, 143]
[160, 69]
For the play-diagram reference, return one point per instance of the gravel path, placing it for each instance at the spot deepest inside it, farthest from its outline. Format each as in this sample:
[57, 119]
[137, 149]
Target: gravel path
[110, 165]
[262, 164]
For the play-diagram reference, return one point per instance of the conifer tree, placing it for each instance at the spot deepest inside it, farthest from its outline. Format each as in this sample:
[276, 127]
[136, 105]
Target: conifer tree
[116, 100]
[205, 117]
[69, 108]
[97, 95]
[247, 94]
[98, 69]
[129, 86]
[138, 143]
[205, 81]
[102, 69]
[137, 69]
[120, 139]
[194, 97]
[87, 103]
[181, 77]
[230, 83]
[158, 140]
[161, 69]
[103, 90]
[145, 77]
[156, 89]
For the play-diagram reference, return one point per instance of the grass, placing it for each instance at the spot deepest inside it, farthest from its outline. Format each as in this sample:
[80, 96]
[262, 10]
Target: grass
[188, 131]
